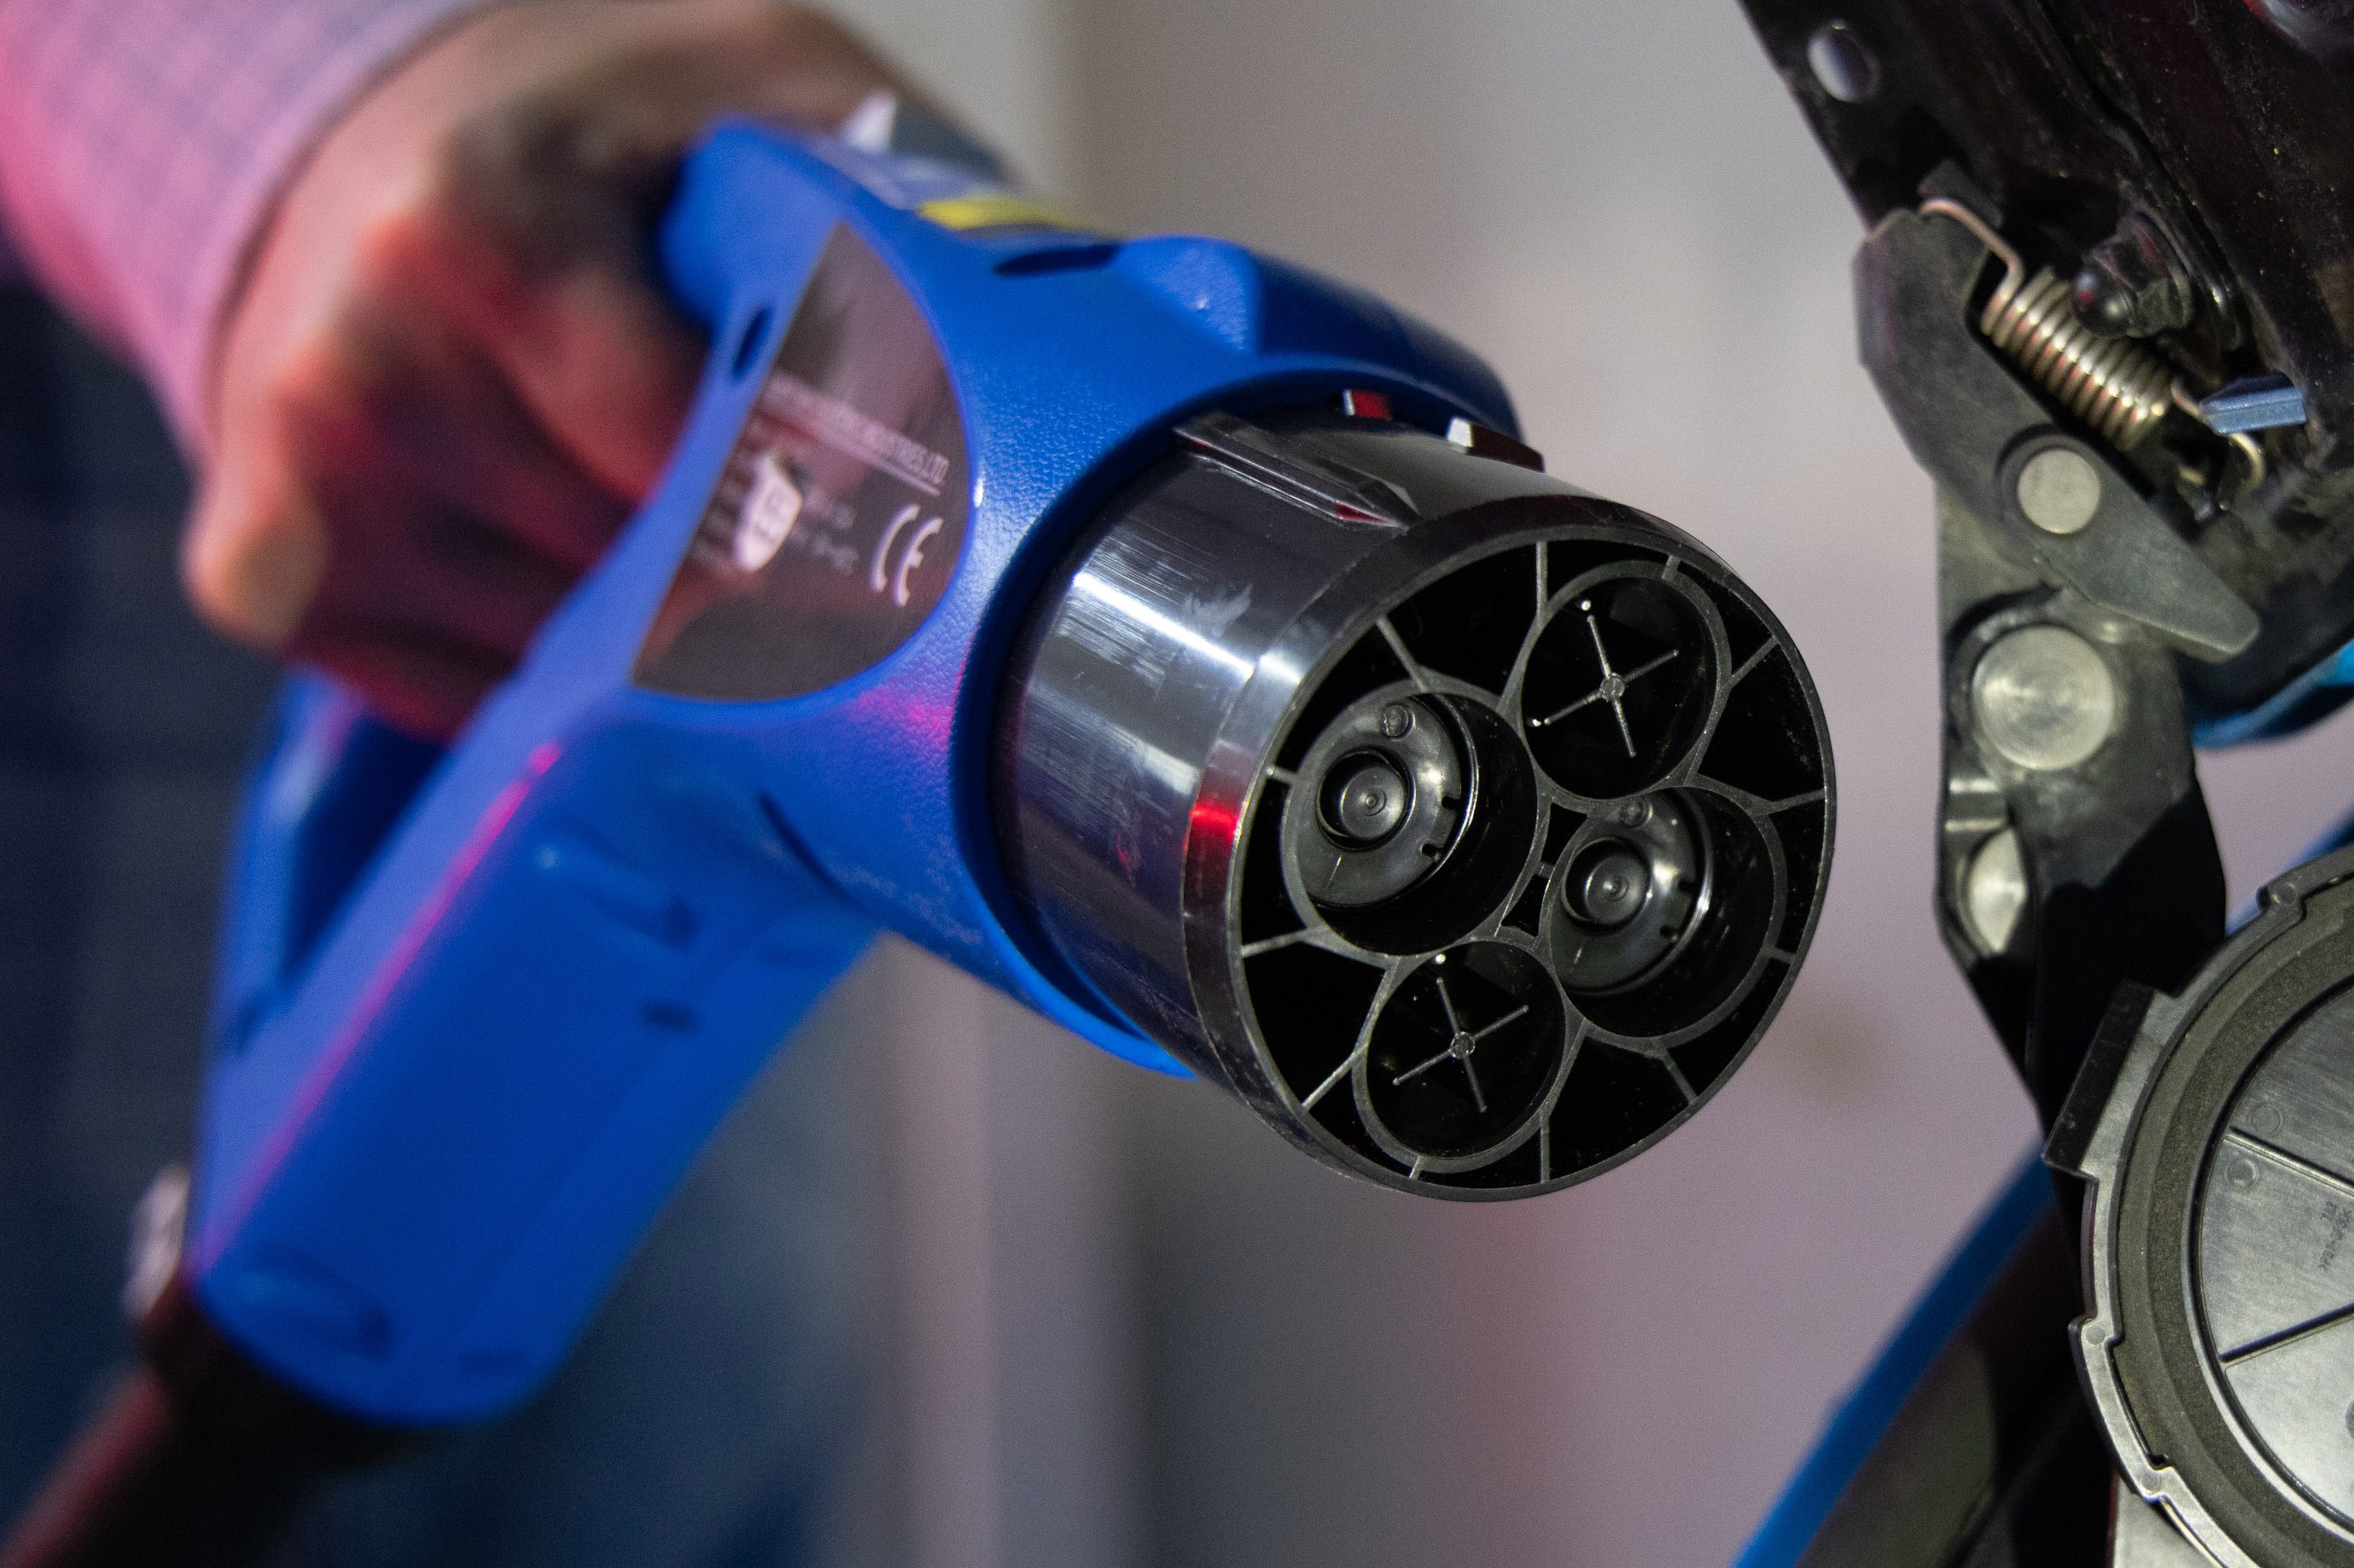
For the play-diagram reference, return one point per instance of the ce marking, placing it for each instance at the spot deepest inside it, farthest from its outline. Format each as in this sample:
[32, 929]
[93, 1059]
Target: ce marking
[890, 573]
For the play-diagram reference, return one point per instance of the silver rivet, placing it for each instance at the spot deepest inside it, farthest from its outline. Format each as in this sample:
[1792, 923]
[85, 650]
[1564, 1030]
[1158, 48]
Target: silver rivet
[2044, 698]
[1397, 721]
[1994, 891]
[1843, 65]
[2060, 491]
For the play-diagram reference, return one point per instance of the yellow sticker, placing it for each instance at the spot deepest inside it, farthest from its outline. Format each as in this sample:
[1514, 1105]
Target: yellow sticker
[999, 209]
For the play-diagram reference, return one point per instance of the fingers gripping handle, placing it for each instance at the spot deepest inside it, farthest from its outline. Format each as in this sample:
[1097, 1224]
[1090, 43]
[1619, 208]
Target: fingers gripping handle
[331, 781]
[478, 1011]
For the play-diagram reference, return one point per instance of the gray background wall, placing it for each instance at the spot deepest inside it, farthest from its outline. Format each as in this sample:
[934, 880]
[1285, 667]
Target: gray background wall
[1135, 1330]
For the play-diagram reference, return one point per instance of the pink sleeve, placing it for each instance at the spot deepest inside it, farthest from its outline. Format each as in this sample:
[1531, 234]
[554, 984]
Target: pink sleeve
[142, 142]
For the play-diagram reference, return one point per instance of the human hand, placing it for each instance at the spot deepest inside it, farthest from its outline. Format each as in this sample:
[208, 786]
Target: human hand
[451, 372]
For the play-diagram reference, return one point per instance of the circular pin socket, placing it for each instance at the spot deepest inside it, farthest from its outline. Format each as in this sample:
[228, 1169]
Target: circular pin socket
[1631, 895]
[1381, 801]
[1474, 849]
[1645, 936]
[1462, 1055]
[1465, 808]
[1619, 686]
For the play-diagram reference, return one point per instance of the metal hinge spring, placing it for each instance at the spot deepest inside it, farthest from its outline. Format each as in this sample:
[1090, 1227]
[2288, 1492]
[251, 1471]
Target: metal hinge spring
[2120, 388]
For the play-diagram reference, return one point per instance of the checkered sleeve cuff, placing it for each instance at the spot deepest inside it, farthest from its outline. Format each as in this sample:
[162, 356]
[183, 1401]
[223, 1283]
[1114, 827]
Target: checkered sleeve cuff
[143, 143]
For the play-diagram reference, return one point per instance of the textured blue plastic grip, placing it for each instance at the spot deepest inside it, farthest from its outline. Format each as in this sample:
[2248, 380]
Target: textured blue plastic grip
[460, 1068]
